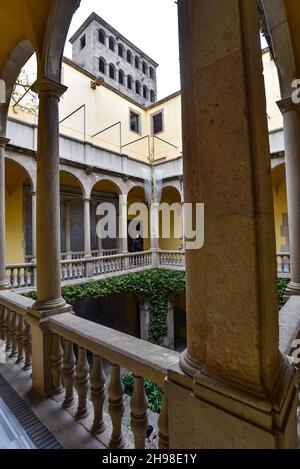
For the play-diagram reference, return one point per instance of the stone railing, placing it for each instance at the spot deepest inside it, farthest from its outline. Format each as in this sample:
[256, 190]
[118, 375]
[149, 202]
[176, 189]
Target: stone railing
[74, 255]
[78, 380]
[21, 275]
[172, 259]
[283, 265]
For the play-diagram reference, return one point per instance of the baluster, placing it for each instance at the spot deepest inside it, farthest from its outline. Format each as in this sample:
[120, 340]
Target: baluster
[13, 332]
[82, 383]
[8, 331]
[19, 278]
[163, 424]
[98, 395]
[56, 365]
[139, 413]
[19, 336]
[12, 278]
[27, 346]
[116, 407]
[69, 374]
[288, 264]
[2, 323]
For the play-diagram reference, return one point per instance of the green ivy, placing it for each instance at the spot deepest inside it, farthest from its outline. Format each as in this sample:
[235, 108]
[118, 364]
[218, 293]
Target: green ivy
[281, 286]
[154, 285]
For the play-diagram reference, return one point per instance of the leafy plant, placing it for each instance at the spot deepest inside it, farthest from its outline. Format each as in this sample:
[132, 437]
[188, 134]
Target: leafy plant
[281, 285]
[154, 285]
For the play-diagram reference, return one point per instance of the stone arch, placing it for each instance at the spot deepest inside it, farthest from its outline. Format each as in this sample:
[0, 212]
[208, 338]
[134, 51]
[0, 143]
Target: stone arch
[17, 59]
[27, 164]
[50, 61]
[172, 197]
[71, 179]
[281, 43]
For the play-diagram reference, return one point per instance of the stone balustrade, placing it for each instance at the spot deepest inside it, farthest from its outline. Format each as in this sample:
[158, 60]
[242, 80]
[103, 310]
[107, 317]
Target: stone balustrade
[111, 262]
[78, 378]
[283, 265]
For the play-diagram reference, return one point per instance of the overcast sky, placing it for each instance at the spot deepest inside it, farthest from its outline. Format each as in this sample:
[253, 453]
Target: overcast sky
[151, 25]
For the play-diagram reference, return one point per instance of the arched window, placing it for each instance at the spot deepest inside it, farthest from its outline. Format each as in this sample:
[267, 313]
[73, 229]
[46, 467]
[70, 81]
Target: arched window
[111, 43]
[145, 68]
[112, 72]
[137, 87]
[129, 82]
[129, 57]
[102, 65]
[152, 96]
[101, 36]
[120, 50]
[145, 92]
[121, 77]
[137, 62]
[151, 72]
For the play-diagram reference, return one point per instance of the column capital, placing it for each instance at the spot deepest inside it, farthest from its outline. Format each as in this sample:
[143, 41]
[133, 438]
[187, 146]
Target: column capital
[287, 105]
[86, 199]
[48, 86]
[4, 141]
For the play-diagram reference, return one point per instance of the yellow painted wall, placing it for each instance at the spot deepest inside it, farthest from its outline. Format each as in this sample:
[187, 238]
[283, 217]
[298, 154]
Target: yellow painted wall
[280, 208]
[14, 226]
[272, 88]
[170, 196]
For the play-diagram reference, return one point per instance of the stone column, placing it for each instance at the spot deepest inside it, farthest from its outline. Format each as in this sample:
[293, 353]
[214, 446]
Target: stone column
[33, 225]
[123, 229]
[291, 124]
[48, 250]
[68, 228]
[154, 226]
[3, 281]
[241, 391]
[144, 318]
[87, 229]
[48, 197]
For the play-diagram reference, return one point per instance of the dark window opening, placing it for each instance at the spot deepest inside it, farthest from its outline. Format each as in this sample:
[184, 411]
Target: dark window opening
[111, 43]
[157, 123]
[120, 50]
[145, 68]
[121, 77]
[152, 96]
[102, 65]
[83, 42]
[112, 73]
[145, 92]
[134, 122]
[138, 87]
[129, 83]
[129, 57]
[137, 62]
[151, 73]
[101, 36]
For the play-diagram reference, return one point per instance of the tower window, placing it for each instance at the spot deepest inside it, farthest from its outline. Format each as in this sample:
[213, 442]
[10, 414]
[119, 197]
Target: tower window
[157, 123]
[111, 43]
[151, 73]
[120, 50]
[137, 62]
[152, 96]
[129, 82]
[121, 77]
[112, 72]
[134, 122]
[101, 36]
[137, 87]
[102, 65]
[129, 57]
[145, 92]
[82, 42]
[145, 68]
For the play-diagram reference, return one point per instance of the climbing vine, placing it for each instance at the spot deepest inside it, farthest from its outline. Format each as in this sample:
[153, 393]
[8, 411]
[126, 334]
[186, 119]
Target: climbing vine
[154, 285]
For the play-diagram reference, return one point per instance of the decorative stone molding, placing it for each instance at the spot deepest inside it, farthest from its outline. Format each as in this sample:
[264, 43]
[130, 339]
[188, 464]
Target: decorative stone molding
[46, 86]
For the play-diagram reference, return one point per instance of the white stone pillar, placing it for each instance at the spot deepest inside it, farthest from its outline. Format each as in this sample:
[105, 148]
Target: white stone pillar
[240, 387]
[144, 318]
[68, 228]
[291, 124]
[154, 226]
[123, 228]
[3, 281]
[87, 229]
[48, 197]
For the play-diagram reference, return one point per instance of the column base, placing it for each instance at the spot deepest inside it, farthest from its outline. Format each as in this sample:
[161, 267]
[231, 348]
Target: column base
[4, 285]
[293, 289]
[45, 307]
[206, 413]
